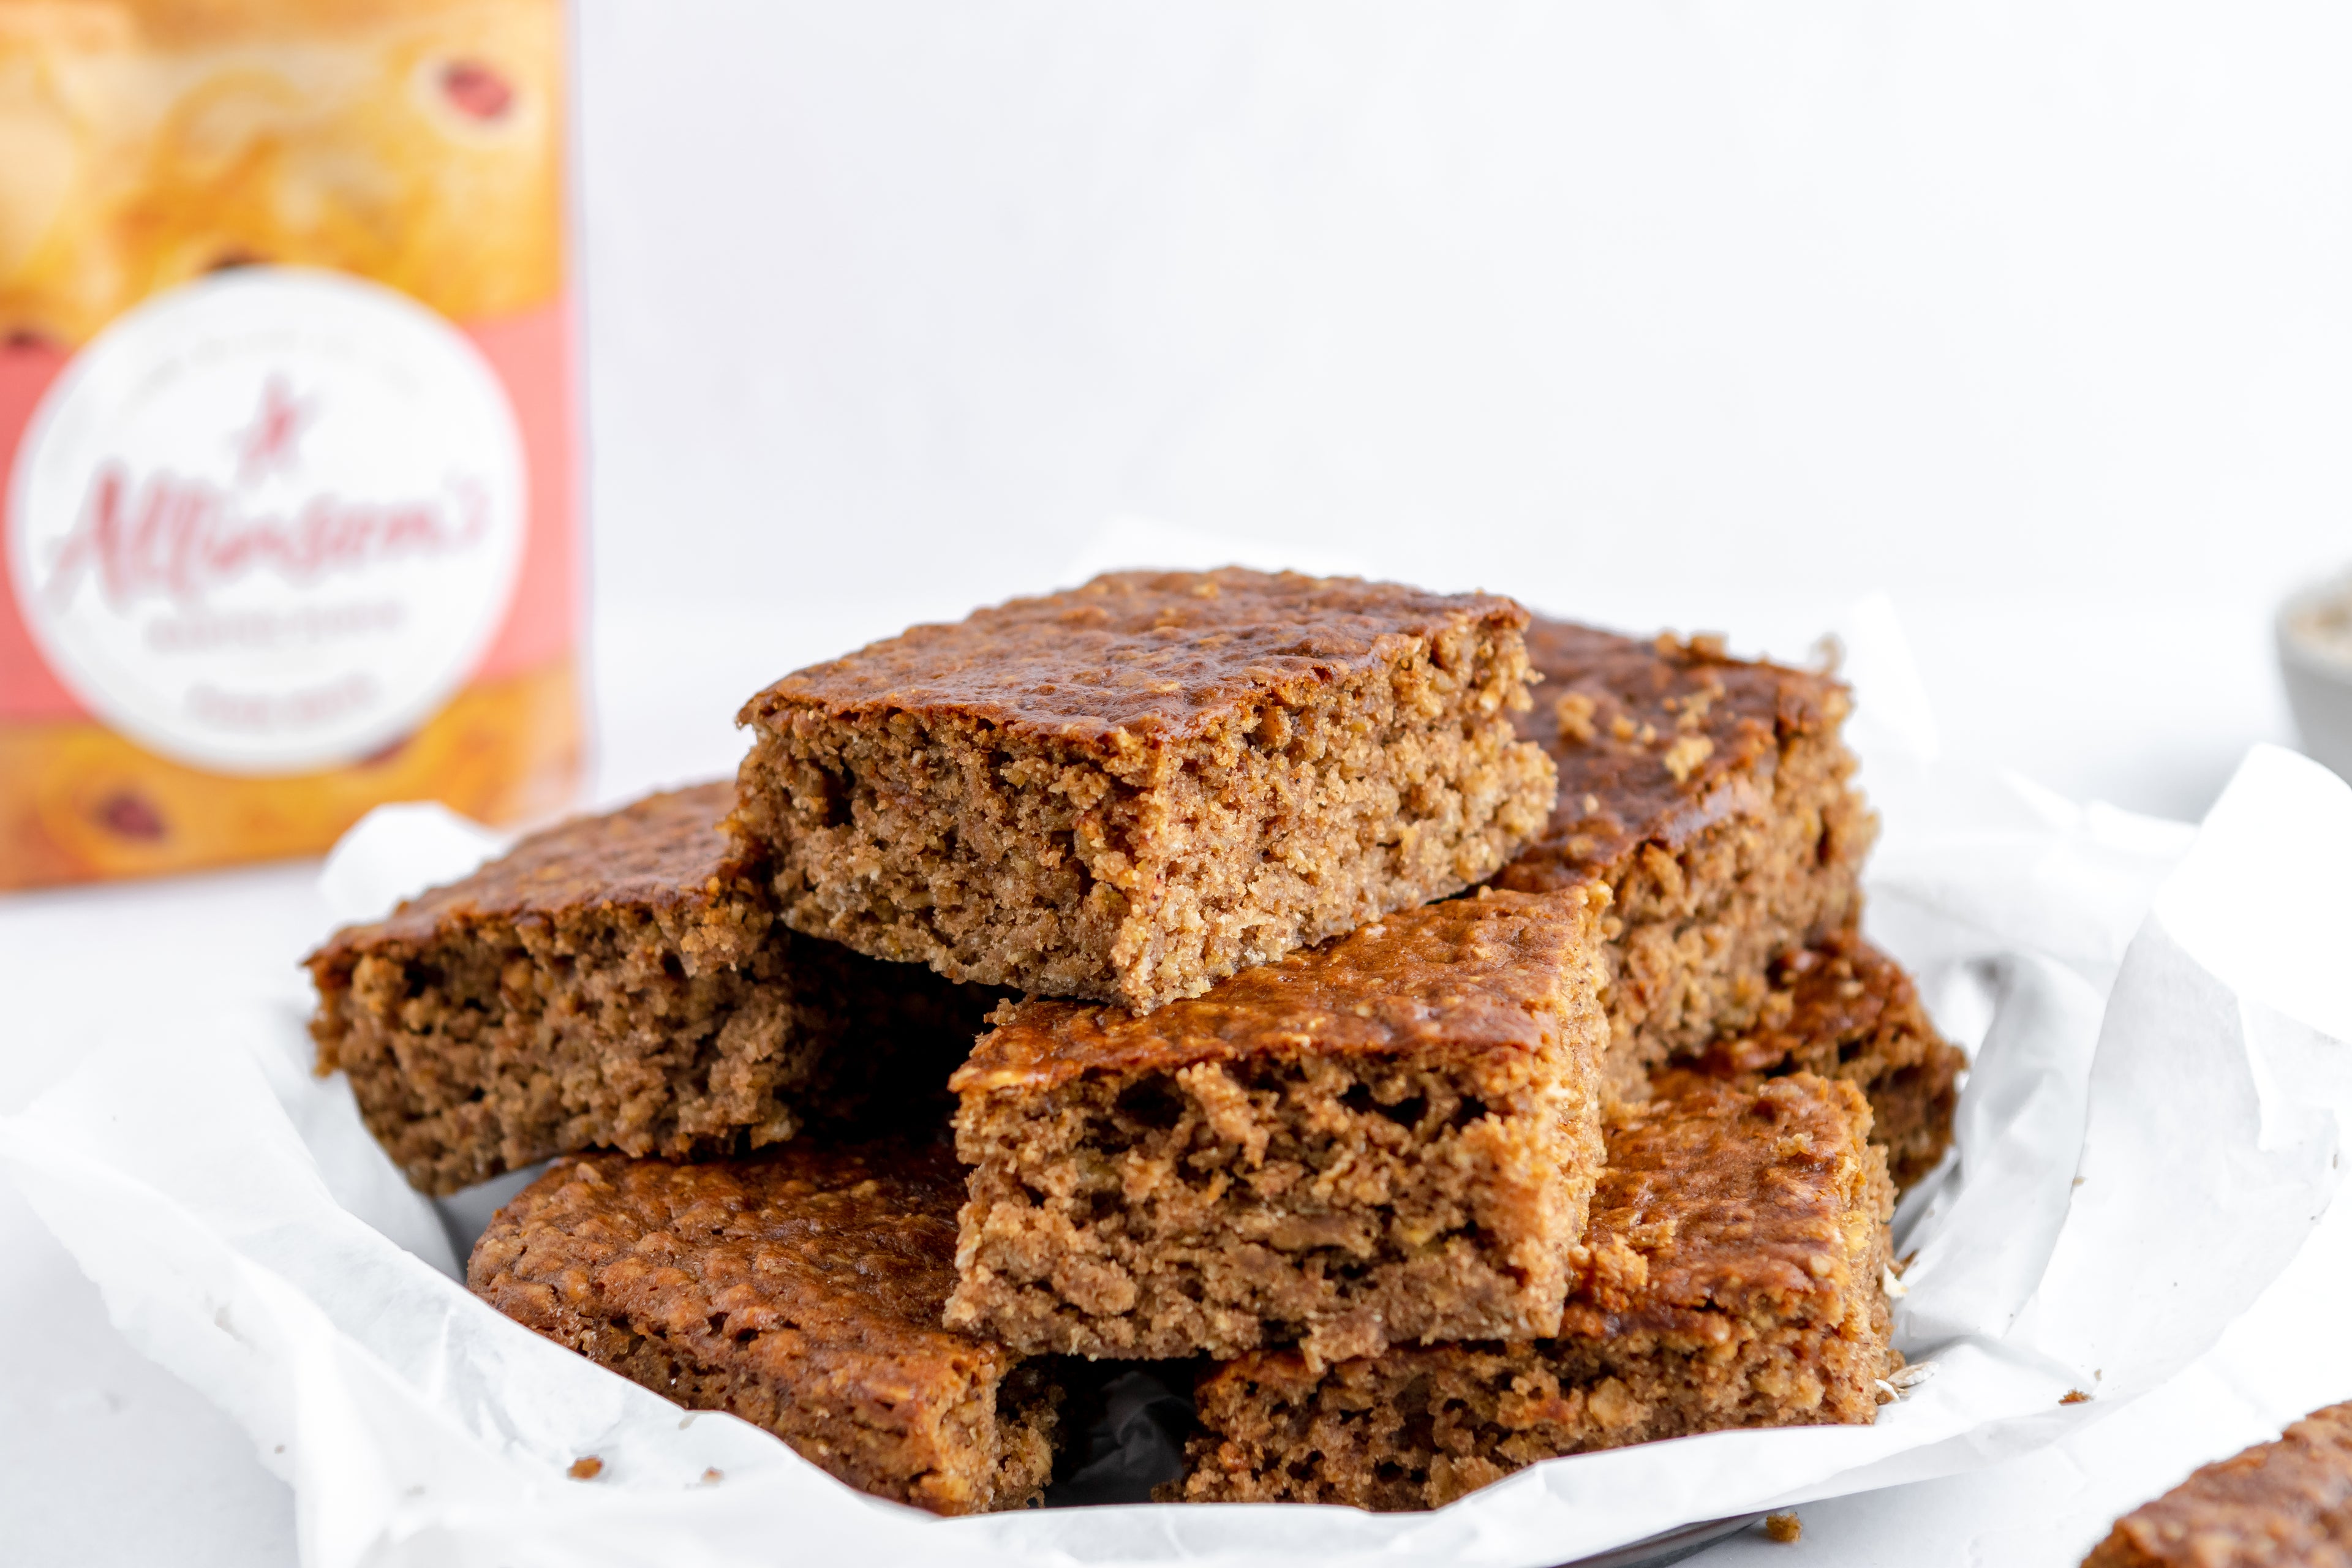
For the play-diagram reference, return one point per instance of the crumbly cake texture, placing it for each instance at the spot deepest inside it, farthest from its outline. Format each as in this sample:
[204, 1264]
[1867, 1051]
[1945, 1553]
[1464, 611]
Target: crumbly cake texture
[620, 982]
[1713, 795]
[1128, 790]
[1843, 1009]
[798, 1289]
[1390, 1137]
[2288, 1502]
[1731, 1276]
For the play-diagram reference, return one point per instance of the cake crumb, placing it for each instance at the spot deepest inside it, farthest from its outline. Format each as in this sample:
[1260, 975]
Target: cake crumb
[587, 1467]
[2075, 1396]
[1682, 759]
[1573, 712]
[712, 1475]
[1785, 1528]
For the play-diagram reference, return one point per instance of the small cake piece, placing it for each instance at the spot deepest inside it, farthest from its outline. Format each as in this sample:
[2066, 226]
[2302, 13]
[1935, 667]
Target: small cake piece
[1730, 1276]
[1391, 1138]
[1843, 1009]
[2276, 1505]
[620, 982]
[1128, 790]
[798, 1289]
[1713, 795]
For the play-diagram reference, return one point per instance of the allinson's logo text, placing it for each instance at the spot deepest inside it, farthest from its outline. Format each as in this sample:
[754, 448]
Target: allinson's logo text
[269, 522]
[172, 534]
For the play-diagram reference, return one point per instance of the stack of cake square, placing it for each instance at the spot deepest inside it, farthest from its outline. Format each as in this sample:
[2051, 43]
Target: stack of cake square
[1452, 1077]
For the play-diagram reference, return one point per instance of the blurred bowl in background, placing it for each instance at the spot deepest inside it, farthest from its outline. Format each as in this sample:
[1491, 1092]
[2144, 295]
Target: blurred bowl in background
[2314, 651]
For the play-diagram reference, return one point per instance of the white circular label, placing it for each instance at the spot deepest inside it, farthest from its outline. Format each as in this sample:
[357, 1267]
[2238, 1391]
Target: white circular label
[268, 521]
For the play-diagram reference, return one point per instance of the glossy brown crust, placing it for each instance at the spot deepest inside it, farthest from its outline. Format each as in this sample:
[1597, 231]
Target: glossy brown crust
[1129, 791]
[1730, 1276]
[1655, 740]
[1842, 1009]
[1136, 654]
[1736, 1202]
[665, 852]
[2276, 1505]
[1714, 796]
[801, 1288]
[1466, 977]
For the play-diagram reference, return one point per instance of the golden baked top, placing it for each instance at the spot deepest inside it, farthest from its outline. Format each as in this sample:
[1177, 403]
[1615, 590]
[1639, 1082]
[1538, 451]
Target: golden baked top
[1467, 976]
[1654, 741]
[1760, 1204]
[1838, 992]
[1172, 655]
[825, 1265]
[663, 852]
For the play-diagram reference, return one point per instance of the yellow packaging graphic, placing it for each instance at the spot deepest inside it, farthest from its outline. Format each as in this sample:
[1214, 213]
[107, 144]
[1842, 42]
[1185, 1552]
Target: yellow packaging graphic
[286, 421]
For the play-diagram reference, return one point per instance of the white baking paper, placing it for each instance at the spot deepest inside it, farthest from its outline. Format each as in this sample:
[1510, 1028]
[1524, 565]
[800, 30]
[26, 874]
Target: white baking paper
[2151, 1129]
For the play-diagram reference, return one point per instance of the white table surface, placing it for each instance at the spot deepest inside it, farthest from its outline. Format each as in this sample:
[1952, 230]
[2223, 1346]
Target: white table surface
[2033, 314]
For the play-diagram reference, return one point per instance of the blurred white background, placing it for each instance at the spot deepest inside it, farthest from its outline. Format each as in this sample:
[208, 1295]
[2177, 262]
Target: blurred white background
[2038, 316]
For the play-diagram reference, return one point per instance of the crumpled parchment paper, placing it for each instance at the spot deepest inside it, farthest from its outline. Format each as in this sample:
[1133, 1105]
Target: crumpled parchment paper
[2151, 1128]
